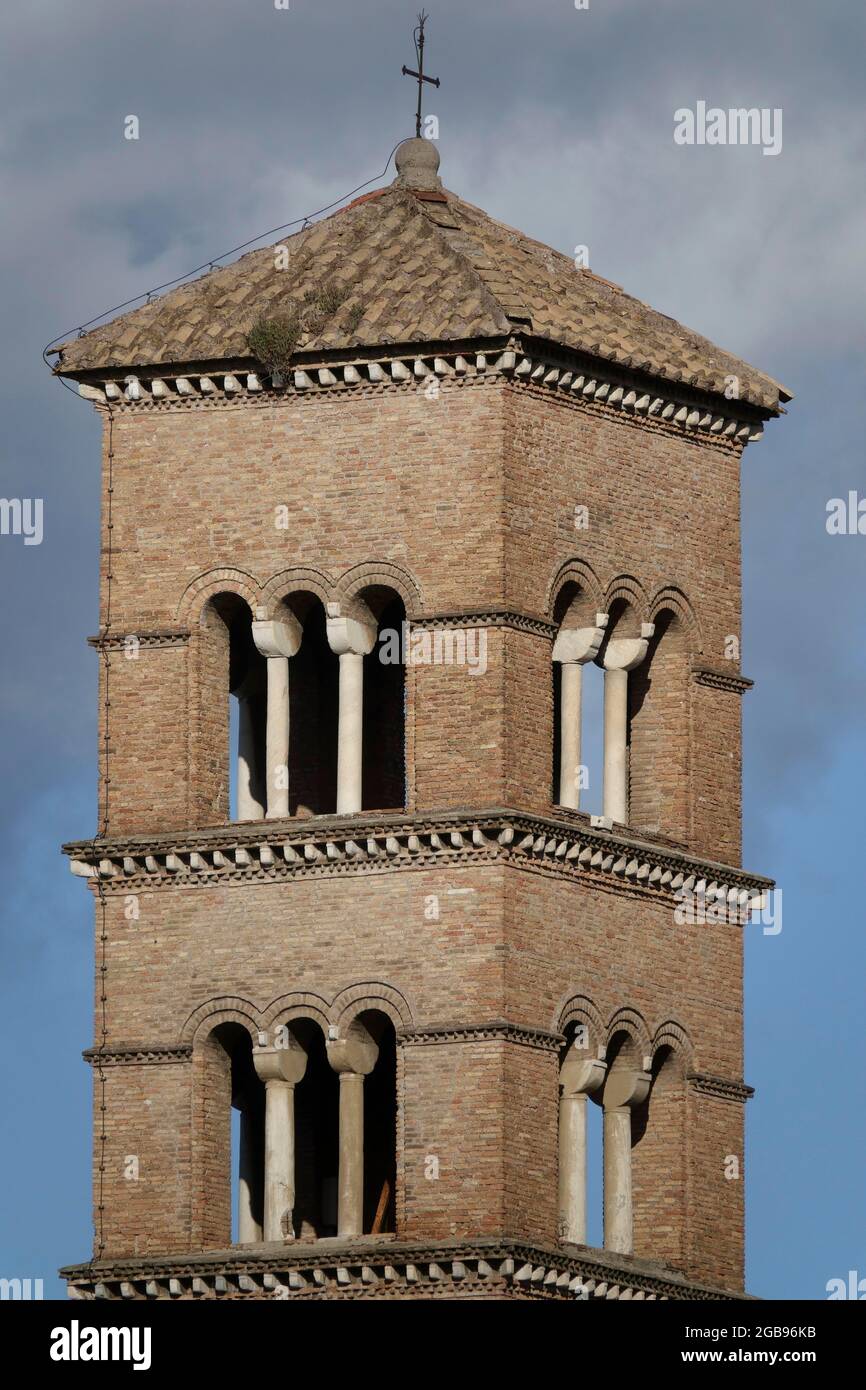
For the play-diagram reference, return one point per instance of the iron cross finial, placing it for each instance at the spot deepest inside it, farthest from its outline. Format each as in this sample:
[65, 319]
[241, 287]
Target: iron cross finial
[418, 35]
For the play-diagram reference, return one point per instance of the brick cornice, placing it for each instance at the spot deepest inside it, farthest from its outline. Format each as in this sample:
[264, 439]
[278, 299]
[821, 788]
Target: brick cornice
[333, 846]
[383, 1267]
[720, 1087]
[135, 1054]
[535, 365]
[156, 637]
[486, 617]
[497, 1029]
[721, 680]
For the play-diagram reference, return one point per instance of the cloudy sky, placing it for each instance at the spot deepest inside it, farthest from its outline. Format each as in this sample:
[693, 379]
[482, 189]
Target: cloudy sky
[559, 121]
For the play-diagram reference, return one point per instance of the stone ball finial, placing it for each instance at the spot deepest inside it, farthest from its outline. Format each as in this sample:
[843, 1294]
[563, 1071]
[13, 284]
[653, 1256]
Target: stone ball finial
[418, 164]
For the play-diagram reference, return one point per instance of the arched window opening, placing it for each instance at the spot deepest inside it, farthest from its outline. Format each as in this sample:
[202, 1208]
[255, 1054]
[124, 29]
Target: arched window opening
[231, 1175]
[248, 685]
[384, 733]
[380, 1128]
[577, 716]
[622, 652]
[658, 1161]
[364, 1054]
[313, 711]
[248, 1165]
[659, 724]
[581, 1074]
[231, 772]
[316, 1138]
[592, 739]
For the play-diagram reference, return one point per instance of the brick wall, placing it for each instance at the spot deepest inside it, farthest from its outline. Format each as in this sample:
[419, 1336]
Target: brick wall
[466, 502]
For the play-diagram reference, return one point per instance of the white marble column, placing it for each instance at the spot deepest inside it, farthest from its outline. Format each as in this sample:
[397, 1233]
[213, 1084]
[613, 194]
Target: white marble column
[350, 1189]
[280, 1068]
[579, 1075]
[572, 649]
[621, 655]
[352, 640]
[277, 639]
[624, 1087]
[353, 1057]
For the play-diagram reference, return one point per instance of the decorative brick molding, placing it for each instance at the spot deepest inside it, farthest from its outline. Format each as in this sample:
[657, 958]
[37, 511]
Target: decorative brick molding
[721, 680]
[487, 617]
[498, 1029]
[135, 1054]
[159, 637]
[337, 845]
[720, 1087]
[384, 1268]
[559, 373]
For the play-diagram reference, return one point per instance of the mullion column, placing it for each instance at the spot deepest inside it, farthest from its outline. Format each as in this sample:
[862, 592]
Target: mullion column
[351, 640]
[278, 640]
[621, 655]
[280, 1068]
[353, 1058]
[624, 1088]
[573, 648]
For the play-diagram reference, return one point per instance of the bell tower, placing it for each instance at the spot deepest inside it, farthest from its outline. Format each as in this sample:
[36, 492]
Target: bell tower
[374, 500]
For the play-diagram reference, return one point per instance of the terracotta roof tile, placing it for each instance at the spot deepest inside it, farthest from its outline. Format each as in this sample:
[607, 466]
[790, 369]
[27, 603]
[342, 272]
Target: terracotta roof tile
[421, 270]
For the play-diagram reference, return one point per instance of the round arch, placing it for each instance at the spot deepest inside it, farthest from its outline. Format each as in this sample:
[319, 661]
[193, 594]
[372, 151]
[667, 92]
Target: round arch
[380, 574]
[195, 597]
[221, 1009]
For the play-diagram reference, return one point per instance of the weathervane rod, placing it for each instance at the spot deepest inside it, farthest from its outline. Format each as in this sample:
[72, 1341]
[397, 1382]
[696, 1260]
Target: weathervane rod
[418, 35]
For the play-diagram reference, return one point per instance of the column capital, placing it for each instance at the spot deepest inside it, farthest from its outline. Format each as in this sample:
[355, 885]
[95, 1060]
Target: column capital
[278, 636]
[347, 634]
[627, 1086]
[625, 653]
[286, 1064]
[577, 645]
[352, 1055]
[580, 1075]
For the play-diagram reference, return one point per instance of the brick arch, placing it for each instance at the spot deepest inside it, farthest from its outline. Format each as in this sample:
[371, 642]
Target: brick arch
[217, 581]
[297, 579]
[371, 994]
[627, 1020]
[224, 1008]
[579, 1009]
[627, 589]
[388, 575]
[574, 572]
[297, 1004]
[672, 1035]
[670, 597]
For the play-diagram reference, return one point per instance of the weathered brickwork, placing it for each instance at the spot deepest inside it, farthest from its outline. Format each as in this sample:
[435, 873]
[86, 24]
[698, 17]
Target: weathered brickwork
[459, 505]
[662, 526]
[451, 469]
[508, 944]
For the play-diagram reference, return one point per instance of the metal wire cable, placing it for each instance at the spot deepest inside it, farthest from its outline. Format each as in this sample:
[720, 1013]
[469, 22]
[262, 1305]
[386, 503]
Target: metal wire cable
[148, 295]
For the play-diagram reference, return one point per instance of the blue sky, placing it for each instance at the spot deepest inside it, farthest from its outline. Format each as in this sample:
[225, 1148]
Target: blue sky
[560, 122]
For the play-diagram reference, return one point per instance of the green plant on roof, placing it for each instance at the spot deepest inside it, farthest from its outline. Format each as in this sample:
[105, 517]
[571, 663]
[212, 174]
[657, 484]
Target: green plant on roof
[274, 341]
[322, 304]
[353, 318]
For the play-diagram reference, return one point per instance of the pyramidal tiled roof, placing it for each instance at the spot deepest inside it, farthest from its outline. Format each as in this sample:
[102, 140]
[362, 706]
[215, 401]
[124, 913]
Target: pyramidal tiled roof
[416, 264]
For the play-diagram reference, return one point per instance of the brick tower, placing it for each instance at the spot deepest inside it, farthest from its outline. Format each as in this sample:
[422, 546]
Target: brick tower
[372, 500]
